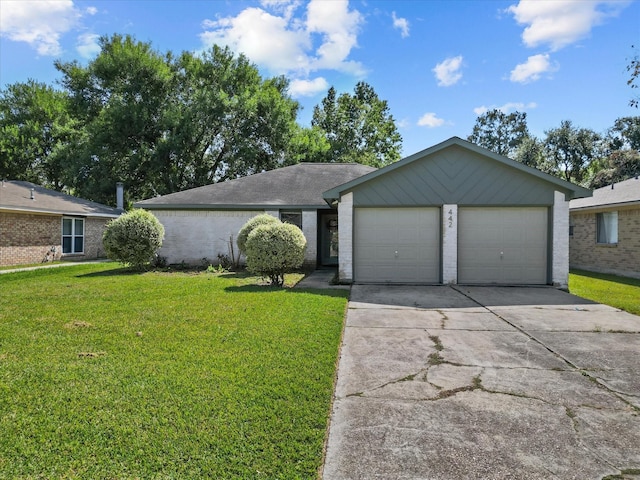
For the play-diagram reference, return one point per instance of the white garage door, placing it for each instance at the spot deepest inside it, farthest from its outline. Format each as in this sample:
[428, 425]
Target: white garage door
[397, 245]
[502, 245]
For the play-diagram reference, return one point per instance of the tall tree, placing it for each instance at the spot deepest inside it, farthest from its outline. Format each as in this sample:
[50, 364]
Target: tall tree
[500, 132]
[119, 97]
[35, 128]
[618, 166]
[161, 123]
[358, 127]
[625, 134]
[634, 78]
[571, 149]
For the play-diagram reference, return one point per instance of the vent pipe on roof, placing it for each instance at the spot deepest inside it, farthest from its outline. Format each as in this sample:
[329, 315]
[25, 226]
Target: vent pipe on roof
[120, 196]
[33, 197]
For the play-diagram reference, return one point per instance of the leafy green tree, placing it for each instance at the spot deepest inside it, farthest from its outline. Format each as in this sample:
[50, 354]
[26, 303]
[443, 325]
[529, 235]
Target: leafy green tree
[571, 149]
[133, 238]
[162, 124]
[120, 98]
[358, 127]
[634, 78]
[625, 134]
[274, 250]
[500, 132]
[35, 129]
[308, 145]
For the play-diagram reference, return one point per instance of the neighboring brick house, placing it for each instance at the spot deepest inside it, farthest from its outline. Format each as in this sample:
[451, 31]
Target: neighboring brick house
[38, 224]
[605, 230]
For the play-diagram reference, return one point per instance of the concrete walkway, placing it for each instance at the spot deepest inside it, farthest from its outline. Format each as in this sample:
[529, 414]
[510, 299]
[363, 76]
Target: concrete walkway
[50, 265]
[485, 383]
[321, 278]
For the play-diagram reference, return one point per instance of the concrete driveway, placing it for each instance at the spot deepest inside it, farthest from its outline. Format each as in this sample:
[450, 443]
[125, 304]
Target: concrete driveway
[438, 382]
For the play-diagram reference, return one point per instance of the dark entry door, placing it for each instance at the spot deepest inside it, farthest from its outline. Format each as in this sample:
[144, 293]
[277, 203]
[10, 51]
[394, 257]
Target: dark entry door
[328, 229]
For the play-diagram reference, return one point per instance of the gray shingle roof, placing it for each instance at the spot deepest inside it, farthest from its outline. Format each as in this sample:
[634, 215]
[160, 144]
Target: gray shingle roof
[298, 186]
[622, 193]
[16, 196]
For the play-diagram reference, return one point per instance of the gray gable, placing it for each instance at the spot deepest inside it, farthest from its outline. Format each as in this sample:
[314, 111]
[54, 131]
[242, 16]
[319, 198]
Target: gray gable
[622, 193]
[296, 186]
[456, 172]
[16, 196]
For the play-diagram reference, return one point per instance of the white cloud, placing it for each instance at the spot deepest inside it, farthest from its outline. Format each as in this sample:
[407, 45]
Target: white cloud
[559, 23]
[430, 120]
[401, 24]
[264, 38]
[39, 23]
[448, 71]
[91, 10]
[339, 28]
[87, 45]
[308, 88]
[506, 108]
[284, 43]
[532, 69]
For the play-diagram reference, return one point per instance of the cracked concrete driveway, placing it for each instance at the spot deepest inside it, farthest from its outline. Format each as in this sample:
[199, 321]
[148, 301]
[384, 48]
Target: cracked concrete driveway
[439, 382]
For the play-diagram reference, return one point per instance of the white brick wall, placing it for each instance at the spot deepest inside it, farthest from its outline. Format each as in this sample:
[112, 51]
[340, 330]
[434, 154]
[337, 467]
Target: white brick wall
[560, 248]
[345, 238]
[191, 235]
[310, 230]
[450, 244]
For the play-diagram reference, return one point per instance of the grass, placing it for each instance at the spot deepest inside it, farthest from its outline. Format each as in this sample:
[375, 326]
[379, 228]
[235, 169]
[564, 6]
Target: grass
[109, 374]
[619, 292]
[27, 265]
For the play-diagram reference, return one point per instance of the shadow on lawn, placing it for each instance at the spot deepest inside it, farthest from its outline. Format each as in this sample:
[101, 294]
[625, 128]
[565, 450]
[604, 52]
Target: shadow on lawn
[635, 282]
[327, 292]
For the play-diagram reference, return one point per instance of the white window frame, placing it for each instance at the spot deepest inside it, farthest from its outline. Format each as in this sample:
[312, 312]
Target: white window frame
[607, 228]
[74, 235]
[291, 212]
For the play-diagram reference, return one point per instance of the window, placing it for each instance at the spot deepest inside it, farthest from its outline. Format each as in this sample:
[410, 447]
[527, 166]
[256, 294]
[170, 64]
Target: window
[294, 218]
[72, 235]
[607, 227]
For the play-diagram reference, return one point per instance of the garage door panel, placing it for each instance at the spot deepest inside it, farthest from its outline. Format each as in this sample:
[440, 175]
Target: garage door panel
[502, 245]
[400, 245]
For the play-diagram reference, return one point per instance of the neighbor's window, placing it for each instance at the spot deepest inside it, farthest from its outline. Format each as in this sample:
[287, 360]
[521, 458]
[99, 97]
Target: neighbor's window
[72, 235]
[607, 227]
[294, 218]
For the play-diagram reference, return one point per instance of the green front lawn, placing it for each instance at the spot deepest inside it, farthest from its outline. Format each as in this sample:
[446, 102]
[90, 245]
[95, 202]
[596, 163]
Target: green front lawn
[619, 292]
[108, 374]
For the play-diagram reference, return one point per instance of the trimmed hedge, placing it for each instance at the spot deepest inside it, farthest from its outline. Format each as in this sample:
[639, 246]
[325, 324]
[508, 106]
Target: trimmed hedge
[133, 238]
[247, 228]
[275, 249]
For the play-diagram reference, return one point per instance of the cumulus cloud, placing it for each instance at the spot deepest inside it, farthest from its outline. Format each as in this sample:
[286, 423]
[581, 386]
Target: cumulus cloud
[87, 45]
[401, 24]
[38, 23]
[560, 23]
[532, 69]
[506, 108]
[448, 71]
[91, 10]
[308, 88]
[284, 43]
[430, 120]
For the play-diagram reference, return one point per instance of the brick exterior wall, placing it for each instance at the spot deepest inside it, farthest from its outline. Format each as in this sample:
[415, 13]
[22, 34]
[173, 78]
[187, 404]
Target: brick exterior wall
[620, 259]
[27, 238]
[560, 241]
[345, 238]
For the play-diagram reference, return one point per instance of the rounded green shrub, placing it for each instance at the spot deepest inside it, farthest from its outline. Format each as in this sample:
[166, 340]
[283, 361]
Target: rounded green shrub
[133, 238]
[247, 228]
[275, 249]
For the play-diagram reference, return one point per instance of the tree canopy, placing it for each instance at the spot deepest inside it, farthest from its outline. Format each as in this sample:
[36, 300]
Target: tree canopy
[500, 132]
[359, 128]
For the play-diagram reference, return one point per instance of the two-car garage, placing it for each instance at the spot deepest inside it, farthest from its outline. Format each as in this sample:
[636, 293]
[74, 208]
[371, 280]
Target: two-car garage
[495, 245]
[454, 213]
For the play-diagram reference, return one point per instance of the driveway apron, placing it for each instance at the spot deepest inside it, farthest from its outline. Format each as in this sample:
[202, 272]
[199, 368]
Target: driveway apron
[440, 382]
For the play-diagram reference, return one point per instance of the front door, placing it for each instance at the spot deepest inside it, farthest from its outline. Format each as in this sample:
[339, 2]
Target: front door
[328, 230]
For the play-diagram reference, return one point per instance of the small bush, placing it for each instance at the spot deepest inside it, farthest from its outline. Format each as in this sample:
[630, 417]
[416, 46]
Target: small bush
[275, 249]
[133, 238]
[247, 228]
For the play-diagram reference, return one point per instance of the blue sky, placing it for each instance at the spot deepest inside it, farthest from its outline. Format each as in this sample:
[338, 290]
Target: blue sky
[438, 63]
